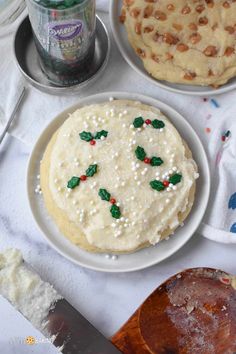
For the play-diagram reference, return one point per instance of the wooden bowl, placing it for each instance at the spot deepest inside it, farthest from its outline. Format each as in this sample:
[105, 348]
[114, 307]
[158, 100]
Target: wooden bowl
[192, 312]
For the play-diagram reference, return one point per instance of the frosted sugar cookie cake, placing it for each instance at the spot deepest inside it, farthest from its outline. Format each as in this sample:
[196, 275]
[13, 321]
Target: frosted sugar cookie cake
[191, 42]
[117, 177]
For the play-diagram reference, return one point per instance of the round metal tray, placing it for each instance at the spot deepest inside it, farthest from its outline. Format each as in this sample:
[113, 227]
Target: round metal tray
[28, 63]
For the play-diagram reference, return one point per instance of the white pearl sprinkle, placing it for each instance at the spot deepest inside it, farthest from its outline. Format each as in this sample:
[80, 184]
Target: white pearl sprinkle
[38, 176]
[111, 99]
[150, 140]
[138, 183]
[144, 125]
[138, 237]
[123, 184]
[124, 125]
[174, 168]
[122, 218]
[139, 129]
[161, 130]
[132, 198]
[114, 257]
[102, 137]
[167, 201]
[59, 189]
[174, 188]
[55, 180]
[125, 111]
[113, 224]
[118, 204]
[168, 189]
[116, 167]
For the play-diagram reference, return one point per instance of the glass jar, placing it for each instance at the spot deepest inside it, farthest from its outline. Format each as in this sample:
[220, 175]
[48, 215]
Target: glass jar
[64, 34]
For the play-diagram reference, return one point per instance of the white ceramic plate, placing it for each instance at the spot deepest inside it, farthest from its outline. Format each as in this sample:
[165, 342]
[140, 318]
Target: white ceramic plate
[140, 259]
[135, 62]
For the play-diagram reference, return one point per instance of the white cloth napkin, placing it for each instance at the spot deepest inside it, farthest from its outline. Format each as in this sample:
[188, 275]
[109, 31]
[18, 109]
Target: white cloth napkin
[210, 121]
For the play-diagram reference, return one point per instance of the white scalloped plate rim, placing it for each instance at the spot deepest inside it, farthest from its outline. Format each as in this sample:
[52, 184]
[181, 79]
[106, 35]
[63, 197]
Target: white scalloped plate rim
[132, 59]
[143, 258]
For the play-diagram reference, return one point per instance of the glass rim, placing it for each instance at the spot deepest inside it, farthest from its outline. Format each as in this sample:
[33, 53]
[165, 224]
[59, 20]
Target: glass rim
[59, 10]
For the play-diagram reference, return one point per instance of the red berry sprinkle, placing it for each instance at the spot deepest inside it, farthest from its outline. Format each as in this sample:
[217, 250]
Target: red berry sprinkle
[112, 201]
[92, 142]
[225, 280]
[223, 138]
[148, 121]
[83, 178]
[166, 183]
[147, 160]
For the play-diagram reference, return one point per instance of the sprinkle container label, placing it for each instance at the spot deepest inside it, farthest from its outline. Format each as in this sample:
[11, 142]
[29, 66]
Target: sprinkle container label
[65, 30]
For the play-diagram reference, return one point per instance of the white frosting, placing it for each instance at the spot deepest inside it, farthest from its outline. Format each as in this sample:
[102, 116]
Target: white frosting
[25, 290]
[146, 213]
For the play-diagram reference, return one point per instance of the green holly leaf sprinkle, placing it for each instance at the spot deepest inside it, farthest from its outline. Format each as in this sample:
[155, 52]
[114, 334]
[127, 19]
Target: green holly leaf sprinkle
[156, 161]
[73, 182]
[98, 135]
[104, 194]
[157, 185]
[158, 124]
[86, 136]
[175, 179]
[115, 211]
[138, 122]
[91, 170]
[140, 153]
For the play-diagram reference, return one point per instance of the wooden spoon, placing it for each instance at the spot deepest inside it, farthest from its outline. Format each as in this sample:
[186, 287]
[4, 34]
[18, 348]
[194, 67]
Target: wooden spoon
[192, 312]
